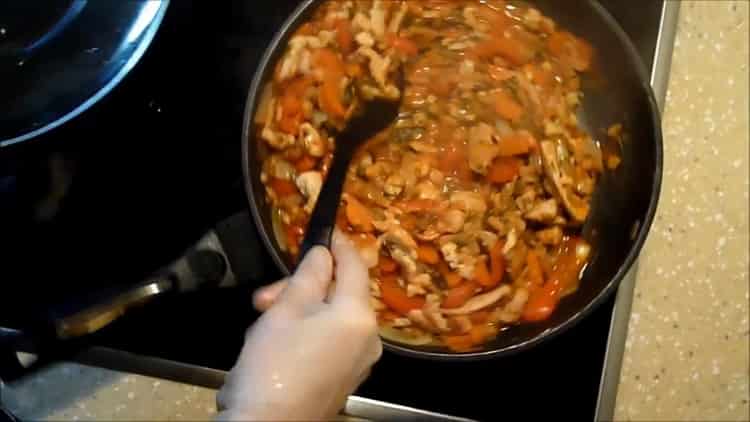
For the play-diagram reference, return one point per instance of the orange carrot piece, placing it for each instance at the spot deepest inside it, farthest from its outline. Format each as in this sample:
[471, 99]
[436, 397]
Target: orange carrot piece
[333, 70]
[541, 304]
[534, 268]
[389, 315]
[504, 170]
[513, 50]
[482, 274]
[479, 317]
[428, 254]
[457, 296]
[387, 265]
[396, 298]
[454, 162]
[306, 163]
[451, 278]
[358, 215]
[468, 342]
[329, 61]
[459, 343]
[282, 187]
[344, 36]
[354, 70]
[481, 333]
[497, 264]
[544, 298]
[574, 51]
[292, 114]
[402, 44]
[507, 107]
[330, 98]
[518, 143]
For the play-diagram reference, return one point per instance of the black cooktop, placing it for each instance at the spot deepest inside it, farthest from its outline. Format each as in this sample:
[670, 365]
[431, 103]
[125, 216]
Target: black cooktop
[125, 188]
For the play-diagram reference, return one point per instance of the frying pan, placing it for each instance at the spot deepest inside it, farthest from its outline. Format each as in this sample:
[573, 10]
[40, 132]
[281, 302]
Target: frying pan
[623, 205]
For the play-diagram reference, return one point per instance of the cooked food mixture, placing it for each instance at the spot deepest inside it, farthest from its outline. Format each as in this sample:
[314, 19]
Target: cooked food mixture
[468, 210]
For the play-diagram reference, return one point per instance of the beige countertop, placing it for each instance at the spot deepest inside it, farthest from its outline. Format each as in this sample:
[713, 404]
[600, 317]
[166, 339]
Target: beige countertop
[686, 354]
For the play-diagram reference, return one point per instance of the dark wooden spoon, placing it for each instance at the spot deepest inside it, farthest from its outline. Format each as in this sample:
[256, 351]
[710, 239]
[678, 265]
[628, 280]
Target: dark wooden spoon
[374, 117]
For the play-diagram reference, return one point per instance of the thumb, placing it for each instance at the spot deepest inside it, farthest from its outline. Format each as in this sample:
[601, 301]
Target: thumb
[309, 283]
[352, 278]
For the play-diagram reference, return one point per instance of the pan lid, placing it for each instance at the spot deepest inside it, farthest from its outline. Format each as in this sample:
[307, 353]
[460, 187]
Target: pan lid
[59, 57]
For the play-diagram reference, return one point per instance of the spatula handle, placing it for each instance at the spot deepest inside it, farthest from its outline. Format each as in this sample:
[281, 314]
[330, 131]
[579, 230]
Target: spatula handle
[323, 219]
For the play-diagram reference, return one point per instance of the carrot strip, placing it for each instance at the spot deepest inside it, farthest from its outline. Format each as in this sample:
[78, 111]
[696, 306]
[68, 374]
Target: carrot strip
[451, 278]
[402, 44]
[468, 342]
[330, 98]
[507, 107]
[541, 304]
[479, 317]
[292, 113]
[462, 343]
[504, 170]
[358, 215]
[428, 254]
[387, 265]
[454, 161]
[457, 296]
[396, 298]
[518, 143]
[333, 68]
[305, 163]
[497, 264]
[344, 36]
[544, 298]
[330, 62]
[481, 333]
[534, 268]
[482, 274]
[572, 50]
[282, 187]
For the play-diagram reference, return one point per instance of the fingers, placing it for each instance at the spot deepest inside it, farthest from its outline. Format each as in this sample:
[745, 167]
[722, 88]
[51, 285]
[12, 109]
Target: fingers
[309, 284]
[266, 296]
[352, 280]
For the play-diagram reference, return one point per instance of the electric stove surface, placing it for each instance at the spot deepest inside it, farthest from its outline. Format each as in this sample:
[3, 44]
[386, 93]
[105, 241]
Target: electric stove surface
[125, 188]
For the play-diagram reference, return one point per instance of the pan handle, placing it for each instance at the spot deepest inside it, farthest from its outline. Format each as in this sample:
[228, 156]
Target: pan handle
[81, 320]
[226, 256]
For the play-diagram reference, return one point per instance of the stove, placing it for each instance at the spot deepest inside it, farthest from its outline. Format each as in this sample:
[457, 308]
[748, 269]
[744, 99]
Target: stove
[113, 195]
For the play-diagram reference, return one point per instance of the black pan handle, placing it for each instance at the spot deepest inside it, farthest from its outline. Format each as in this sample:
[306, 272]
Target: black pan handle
[226, 256]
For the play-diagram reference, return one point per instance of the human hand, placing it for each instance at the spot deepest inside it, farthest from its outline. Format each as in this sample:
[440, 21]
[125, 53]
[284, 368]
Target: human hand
[311, 349]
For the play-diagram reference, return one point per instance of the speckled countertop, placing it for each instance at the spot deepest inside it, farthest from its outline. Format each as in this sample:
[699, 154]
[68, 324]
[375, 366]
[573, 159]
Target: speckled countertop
[686, 355]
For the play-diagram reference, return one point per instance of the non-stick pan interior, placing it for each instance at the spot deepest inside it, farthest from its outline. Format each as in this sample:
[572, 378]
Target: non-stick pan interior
[624, 204]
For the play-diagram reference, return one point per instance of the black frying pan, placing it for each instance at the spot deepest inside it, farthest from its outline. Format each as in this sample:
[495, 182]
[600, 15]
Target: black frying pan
[624, 203]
